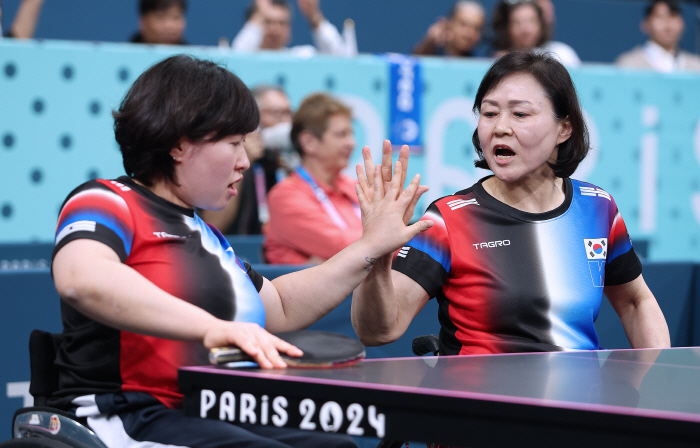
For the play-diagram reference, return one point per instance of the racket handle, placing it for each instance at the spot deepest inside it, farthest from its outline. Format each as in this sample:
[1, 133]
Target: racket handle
[224, 355]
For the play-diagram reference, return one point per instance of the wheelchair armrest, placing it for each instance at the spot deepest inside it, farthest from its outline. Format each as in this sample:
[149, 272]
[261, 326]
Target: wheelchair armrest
[55, 424]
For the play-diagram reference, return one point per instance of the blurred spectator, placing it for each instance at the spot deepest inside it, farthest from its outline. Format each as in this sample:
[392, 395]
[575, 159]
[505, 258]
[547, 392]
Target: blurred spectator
[26, 18]
[268, 27]
[161, 22]
[458, 35]
[268, 151]
[314, 213]
[521, 25]
[663, 24]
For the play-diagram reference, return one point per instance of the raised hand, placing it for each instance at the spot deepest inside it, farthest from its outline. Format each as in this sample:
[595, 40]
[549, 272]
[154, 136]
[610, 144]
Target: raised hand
[312, 11]
[366, 177]
[262, 346]
[386, 213]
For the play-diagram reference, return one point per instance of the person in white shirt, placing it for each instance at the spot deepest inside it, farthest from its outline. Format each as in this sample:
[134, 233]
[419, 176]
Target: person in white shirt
[268, 27]
[664, 25]
[522, 25]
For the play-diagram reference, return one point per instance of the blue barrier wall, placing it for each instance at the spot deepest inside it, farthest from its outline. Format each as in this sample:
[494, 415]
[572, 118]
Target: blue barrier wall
[56, 129]
[30, 301]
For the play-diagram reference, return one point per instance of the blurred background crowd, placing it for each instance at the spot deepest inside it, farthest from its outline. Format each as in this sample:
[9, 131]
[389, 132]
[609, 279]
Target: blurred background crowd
[577, 30]
[297, 156]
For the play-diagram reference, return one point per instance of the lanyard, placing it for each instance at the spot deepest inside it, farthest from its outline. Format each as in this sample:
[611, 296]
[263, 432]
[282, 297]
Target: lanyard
[323, 199]
[261, 193]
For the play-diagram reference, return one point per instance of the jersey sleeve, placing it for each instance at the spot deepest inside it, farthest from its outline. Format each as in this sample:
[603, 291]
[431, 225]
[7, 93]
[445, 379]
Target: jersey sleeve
[622, 265]
[254, 275]
[93, 211]
[427, 258]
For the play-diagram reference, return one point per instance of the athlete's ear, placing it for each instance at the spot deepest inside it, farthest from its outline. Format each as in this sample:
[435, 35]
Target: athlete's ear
[565, 130]
[181, 149]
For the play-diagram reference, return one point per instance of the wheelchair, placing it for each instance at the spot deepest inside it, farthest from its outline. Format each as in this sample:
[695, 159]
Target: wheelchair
[40, 426]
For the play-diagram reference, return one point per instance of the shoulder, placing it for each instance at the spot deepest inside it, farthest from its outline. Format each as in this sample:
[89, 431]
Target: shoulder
[454, 201]
[692, 61]
[589, 190]
[634, 58]
[290, 191]
[98, 190]
[564, 52]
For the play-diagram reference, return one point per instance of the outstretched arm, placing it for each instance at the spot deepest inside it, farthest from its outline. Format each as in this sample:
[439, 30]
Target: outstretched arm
[641, 317]
[90, 277]
[299, 299]
[386, 302]
[27, 17]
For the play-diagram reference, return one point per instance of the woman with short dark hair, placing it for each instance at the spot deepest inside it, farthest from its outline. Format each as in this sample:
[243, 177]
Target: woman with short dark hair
[519, 261]
[521, 25]
[147, 287]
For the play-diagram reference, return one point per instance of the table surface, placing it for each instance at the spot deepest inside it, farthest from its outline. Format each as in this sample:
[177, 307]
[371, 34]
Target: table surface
[643, 396]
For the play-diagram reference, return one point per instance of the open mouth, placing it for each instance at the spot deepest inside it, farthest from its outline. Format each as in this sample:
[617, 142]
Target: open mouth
[503, 153]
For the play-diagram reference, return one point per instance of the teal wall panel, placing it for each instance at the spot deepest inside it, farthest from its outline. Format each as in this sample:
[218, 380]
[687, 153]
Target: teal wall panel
[56, 99]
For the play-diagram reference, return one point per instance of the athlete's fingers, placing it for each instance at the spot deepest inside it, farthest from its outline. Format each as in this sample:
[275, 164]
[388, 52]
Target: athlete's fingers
[369, 166]
[362, 179]
[418, 227]
[395, 185]
[386, 161]
[268, 347]
[408, 214]
[403, 158]
[378, 185]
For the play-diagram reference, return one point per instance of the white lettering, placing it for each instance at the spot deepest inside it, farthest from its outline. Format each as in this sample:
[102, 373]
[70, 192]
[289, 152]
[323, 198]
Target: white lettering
[207, 401]
[279, 405]
[227, 407]
[355, 413]
[376, 421]
[247, 413]
[264, 410]
[307, 409]
[405, 88]
[499, 243]
[331, 416]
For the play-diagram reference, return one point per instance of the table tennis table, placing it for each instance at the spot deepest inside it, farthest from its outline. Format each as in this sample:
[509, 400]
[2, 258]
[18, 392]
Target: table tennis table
[640, 398]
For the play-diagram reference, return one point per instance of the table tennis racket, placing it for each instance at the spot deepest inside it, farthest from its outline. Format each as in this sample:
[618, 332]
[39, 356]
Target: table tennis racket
[322, 350]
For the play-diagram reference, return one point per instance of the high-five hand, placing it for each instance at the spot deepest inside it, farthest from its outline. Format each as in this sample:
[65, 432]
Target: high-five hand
[386, 212]
[366, 177]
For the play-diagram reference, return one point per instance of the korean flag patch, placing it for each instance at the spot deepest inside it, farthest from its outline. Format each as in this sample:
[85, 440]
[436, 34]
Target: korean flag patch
[596, 249]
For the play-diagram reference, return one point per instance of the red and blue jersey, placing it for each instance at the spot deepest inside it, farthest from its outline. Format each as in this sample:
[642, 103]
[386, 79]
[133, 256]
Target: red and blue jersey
[512, 281]
[174, 249]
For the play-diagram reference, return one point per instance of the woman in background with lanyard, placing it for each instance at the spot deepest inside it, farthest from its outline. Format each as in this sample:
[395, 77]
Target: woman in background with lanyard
[314, 213]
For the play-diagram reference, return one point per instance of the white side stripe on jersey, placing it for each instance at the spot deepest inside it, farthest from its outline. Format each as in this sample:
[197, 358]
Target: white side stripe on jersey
[87, 226]
[403, 252]
[459, 203]
[590, 191]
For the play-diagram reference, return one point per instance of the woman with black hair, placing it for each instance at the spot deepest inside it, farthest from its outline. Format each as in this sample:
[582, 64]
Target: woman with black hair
[146, 286]
[522, 25]
[519, 261]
